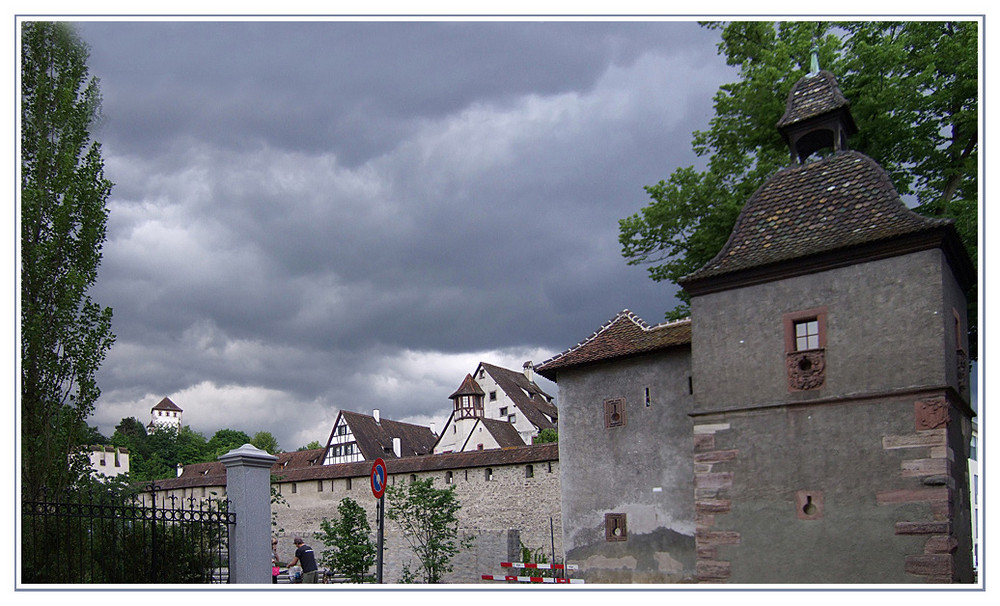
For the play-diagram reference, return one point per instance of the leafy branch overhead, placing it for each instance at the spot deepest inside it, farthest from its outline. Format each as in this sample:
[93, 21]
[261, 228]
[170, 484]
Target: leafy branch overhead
[913, 89]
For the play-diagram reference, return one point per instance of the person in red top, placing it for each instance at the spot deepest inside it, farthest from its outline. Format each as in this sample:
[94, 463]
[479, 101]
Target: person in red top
[304, 555]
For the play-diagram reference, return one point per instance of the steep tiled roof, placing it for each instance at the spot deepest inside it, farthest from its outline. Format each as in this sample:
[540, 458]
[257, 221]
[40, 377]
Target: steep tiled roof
[842, 201]
[503, 432]
[167, 404]
[214, 474]
[375, 439]
[812, 96]
[529, 398]
[622, 336]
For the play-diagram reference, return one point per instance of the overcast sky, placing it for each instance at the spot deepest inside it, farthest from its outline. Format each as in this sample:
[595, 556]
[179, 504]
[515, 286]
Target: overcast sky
[316, 216]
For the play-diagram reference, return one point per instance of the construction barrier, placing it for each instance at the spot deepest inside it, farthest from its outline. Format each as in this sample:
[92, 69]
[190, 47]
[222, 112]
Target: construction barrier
[530, 579]
[497, 577]
[539, 566]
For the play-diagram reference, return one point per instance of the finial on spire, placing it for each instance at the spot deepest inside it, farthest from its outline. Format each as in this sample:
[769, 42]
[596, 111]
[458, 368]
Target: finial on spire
[814, 60]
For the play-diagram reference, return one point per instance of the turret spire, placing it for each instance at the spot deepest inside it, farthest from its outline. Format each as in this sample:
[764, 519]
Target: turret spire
[814, 60]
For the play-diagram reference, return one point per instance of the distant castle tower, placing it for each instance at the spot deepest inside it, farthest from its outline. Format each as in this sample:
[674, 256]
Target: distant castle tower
[165, 414]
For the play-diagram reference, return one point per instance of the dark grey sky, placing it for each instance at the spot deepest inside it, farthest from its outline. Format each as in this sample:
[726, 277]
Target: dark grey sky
[321, 215]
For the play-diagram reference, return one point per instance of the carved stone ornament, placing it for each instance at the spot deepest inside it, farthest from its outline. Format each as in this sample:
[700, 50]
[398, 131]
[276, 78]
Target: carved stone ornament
[963, 371]
[806, 369]
[930, 414]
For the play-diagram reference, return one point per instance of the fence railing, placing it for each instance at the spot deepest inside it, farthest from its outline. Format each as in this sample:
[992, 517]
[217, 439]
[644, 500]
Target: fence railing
[107, 540]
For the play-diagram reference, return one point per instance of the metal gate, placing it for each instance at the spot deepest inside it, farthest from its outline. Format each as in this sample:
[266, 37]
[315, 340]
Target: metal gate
[109, 540]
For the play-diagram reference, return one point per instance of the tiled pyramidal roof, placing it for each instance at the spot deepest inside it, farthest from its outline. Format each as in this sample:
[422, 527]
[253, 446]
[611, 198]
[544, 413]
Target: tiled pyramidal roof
[469, 387]
[624, 335]
[167, 404]
[812, 96]
[841, 201]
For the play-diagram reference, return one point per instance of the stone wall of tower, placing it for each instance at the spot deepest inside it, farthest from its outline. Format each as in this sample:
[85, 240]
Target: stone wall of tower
[860, 479]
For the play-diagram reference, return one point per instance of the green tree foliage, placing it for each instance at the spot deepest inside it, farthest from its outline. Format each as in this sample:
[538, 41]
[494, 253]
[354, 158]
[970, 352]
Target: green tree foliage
[913, 91]
[92, 435]
[545, 436]
[156, 454]
[352, 552]
[310, 446]
[266, 442]
[225, 440]
[428, 518]
[64, 334]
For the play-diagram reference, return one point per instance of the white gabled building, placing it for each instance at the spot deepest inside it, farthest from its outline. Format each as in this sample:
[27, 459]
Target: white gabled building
[360, 437]
[496, 408]
[165, 414]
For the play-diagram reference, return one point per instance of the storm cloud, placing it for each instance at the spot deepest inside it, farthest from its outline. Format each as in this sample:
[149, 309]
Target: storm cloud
[311, 216]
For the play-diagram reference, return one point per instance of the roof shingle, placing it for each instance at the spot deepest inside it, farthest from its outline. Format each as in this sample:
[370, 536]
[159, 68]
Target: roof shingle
[622, 336]
[842, 201]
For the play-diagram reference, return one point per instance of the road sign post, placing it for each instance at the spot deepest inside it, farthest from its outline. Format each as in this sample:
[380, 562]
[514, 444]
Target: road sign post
[379, 480]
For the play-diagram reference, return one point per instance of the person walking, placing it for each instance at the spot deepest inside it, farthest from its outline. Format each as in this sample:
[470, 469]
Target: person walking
[307, 559]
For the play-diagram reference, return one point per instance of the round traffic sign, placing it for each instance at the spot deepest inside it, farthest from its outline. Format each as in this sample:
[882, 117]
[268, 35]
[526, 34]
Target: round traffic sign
[379, 477]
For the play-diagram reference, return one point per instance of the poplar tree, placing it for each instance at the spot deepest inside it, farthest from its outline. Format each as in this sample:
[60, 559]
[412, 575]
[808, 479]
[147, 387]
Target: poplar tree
[64, 334]
[913, 89]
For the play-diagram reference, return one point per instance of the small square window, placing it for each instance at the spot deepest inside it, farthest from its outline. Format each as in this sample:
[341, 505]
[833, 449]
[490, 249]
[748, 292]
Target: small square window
[493, 396]
[503, 411]
[805, 330]
[806, 335]
[512, 418]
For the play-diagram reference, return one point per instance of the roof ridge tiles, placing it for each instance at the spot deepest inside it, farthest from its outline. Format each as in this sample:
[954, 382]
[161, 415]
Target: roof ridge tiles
[622, 344]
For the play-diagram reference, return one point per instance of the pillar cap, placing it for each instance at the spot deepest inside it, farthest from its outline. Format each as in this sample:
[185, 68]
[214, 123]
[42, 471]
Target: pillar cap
[248, 455]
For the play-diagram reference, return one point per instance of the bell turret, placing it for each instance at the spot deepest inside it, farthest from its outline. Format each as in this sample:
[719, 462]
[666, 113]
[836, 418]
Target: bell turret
[468, 399]
[817, 115]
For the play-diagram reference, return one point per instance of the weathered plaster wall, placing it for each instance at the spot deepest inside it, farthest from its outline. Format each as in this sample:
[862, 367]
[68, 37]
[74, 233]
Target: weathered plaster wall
[642, 469]
[885, 329]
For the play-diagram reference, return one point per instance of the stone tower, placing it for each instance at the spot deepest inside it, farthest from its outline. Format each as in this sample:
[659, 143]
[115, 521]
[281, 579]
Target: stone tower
[831, 401]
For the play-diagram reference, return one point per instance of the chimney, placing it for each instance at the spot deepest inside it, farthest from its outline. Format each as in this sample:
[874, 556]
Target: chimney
[529, 371]
[397, 447]
[180, 470]
[377, 416]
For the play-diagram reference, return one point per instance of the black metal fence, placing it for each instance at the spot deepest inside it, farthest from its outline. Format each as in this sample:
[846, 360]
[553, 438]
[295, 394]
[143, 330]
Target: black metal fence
[110, 540]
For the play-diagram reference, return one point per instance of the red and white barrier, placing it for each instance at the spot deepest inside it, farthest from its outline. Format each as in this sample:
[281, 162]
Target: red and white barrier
[497, 577]
[539, 566]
